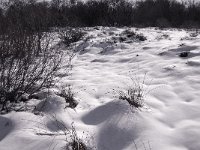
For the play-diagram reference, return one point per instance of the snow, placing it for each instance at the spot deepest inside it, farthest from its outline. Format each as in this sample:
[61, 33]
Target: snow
[101, 68]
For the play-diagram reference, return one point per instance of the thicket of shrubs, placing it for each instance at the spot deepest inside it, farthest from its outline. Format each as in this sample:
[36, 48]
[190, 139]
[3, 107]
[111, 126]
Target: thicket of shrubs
[32, 15]
[27, 64]
[27, 61]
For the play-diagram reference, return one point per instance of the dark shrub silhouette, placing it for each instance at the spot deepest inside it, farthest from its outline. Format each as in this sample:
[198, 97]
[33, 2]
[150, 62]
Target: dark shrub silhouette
[40, 16]
[23, 68]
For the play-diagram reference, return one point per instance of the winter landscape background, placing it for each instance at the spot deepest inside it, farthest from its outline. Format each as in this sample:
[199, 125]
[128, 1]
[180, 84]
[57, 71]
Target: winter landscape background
[99, 75]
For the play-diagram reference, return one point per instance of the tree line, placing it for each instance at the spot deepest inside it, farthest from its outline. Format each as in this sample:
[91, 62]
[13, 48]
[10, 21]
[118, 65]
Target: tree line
[39, 16]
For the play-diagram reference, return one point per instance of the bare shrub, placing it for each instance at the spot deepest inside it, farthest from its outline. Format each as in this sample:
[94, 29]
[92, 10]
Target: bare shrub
[128, 35]
[133, 35]
[133, 96]
[135, 93]
[68, 94]
[26, 66]
[76, 143]
[71, 35]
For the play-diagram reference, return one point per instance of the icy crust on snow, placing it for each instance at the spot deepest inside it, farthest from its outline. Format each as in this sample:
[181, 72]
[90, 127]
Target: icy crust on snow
[169, 121]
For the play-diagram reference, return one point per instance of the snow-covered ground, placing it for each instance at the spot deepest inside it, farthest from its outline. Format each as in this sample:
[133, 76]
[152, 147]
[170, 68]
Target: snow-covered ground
[103, 66]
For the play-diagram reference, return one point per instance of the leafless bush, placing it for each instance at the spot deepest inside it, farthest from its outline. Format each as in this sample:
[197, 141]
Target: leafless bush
[134, 35]
[27, 65]
[76, 143]
[68, 94]
[129, 36]
[71, 35]
[133, 96]
[135, 93]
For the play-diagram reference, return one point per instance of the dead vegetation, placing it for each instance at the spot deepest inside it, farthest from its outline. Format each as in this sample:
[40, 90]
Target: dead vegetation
[27, 64]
